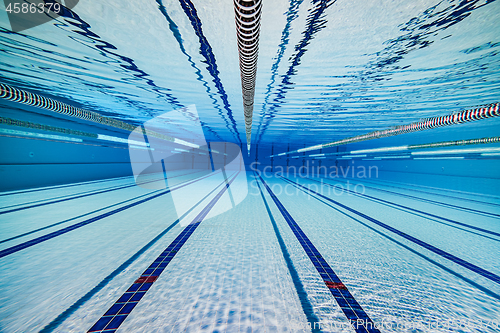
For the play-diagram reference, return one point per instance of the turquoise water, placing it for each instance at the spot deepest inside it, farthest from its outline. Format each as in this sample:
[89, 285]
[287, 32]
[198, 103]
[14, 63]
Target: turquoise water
[345, 70]
[393, 234]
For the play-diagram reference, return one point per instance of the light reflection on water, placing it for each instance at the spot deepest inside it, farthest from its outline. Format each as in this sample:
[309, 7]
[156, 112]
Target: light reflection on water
[333, 68]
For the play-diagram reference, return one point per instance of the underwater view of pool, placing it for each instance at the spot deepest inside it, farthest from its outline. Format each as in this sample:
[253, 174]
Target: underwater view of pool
[250, 166]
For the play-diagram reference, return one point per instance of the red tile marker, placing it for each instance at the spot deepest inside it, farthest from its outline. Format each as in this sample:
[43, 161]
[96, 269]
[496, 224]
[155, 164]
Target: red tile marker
[146, 279]
[335, 285]
[359, 319]
[118, 312]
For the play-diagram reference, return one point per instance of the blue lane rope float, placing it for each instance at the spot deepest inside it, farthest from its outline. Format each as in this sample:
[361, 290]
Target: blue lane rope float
[494, 139]
[405, 149]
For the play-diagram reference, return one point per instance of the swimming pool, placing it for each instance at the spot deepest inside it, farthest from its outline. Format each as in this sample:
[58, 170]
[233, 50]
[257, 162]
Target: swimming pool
[159, 176]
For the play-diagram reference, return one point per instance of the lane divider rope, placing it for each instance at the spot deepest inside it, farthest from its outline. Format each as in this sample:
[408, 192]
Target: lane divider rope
[483, 112]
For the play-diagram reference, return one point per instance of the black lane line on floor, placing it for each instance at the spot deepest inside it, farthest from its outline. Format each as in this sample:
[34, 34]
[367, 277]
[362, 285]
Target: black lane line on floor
[353, 311]
[443, 204]
[75, 306]
[79, 196]
[63, 186]
[86, 193]
[426, 192]
[118, 312]
[415, 210]
[75, 218]
[44, 238]
[476, 269]
[299, 287]
[467, 280]
[491, 196]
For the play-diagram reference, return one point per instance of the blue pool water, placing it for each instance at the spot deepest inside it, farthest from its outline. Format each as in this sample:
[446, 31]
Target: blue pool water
[368, 201]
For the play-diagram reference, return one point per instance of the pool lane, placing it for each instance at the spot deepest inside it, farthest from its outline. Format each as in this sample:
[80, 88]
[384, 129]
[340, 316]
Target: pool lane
[51, 192]
[57, 187]
[403, 207]
[35, 241]
[358, 318]
[119, 311]
[221, 278]
[60, 271]
[477, 222]
[20, 226]
[440, 192]
[44, 202]
[467, 240]
[230, 276]
[72, 219]
[459, 206]
[307, 307]
[79, 303]
[485, 197]
[394, 279]
[487, 274]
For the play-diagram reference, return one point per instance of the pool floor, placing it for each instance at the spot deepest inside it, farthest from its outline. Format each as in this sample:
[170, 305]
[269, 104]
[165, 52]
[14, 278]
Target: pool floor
[297, 254]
